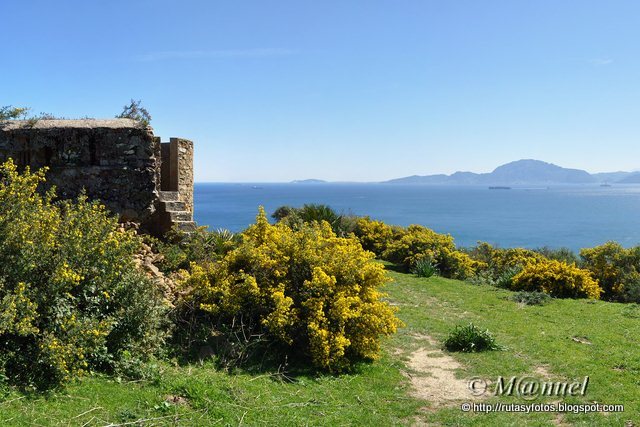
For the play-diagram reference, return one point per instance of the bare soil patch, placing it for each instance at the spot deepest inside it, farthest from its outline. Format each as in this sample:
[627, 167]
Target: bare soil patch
[433, 375]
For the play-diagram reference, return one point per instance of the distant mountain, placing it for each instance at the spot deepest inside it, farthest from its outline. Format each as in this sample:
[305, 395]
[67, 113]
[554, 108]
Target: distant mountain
[632, 178]
[417, 179]
[611, 176]
[537, 172]
[308, 181]
[521, 172]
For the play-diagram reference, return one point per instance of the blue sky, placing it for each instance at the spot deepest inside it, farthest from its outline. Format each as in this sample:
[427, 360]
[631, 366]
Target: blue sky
[343, 90]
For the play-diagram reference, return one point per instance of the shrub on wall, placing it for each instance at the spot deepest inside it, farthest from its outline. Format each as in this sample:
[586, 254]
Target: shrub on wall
[71, 299]
[309, 290]
[557, 279]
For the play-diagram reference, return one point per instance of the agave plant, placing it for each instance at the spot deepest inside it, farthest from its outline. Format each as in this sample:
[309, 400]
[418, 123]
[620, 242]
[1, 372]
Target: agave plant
[425, 267]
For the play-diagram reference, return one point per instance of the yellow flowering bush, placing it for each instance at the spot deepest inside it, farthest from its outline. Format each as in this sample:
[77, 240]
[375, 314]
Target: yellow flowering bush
[417, 242]
[557, 279]
[71, 299]
[313, 292]
[616, 268]
[375, 236]
[498, 266]
[498, 259]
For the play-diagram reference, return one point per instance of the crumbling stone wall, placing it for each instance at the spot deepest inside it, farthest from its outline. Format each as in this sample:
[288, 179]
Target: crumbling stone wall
[185, 171]
[116, 161]
[177, 169]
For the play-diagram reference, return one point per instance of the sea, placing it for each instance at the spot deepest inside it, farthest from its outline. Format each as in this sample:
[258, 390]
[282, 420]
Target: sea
[573, 217]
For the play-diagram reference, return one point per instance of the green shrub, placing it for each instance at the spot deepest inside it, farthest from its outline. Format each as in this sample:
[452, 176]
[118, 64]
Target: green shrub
[425, 267]
[135, 111]
[631, 293]
[12, 113]
[308, 290]
[71, 298]
[341, 224]
[530, 298]
[470, 339]
[557, 279]
[560, 254]
[504, 278]
[481, 278]
[283, 212]
[317, 213]
[181, 249]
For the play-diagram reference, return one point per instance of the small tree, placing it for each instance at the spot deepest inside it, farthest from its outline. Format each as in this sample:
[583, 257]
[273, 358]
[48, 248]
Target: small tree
[12, 113]
[135, 111]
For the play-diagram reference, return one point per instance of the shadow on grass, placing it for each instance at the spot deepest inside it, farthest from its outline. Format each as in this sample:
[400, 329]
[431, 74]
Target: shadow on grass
[398, 268]
[266, 359]
[246, 351]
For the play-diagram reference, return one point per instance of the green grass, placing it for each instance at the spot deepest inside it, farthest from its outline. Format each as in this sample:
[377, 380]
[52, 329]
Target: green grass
[378, 393]
[534, 336]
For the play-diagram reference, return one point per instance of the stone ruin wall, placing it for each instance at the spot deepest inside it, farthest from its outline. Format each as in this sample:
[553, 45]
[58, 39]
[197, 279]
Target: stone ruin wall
[185, 171]
[116, 161]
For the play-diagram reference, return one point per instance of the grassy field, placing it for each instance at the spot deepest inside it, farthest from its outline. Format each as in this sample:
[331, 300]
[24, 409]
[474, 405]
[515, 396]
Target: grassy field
[562, 340]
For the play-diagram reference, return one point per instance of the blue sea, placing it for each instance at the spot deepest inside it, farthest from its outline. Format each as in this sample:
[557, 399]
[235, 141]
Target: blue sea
[567, 216]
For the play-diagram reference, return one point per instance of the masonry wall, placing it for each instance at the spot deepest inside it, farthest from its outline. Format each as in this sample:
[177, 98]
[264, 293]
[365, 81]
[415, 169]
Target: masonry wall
[184, 156]
[112, 160]
[116, 161]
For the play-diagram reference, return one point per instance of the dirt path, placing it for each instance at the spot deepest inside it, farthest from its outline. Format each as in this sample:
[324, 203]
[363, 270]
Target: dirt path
[433, 375]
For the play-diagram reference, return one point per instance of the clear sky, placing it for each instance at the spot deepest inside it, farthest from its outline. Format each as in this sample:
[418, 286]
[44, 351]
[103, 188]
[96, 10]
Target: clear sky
[342, 90]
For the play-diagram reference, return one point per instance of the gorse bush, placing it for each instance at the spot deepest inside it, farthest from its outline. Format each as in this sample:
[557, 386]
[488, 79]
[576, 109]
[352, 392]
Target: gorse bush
[498, 261]
[617, 270]
[470, 339]
[558, 279]
[497, 266]
[417, 242]
[551, 271]
[405, 246]
[312, 292]
[613, 269]
[71, 299]
[375, 236]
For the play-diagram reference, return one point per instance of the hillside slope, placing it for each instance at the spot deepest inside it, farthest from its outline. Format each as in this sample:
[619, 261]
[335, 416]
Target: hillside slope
[564, 340]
